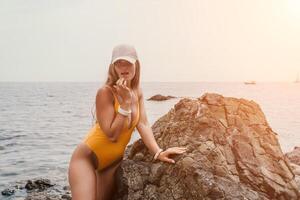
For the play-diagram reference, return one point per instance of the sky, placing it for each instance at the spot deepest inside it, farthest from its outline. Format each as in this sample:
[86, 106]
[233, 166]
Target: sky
[176, 40]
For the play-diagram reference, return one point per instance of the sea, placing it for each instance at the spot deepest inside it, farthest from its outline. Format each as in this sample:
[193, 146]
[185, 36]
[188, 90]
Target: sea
[42, 122]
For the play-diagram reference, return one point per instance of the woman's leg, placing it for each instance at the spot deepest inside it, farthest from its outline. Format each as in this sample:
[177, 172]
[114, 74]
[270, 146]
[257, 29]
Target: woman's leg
[106, 182]
[82, 176]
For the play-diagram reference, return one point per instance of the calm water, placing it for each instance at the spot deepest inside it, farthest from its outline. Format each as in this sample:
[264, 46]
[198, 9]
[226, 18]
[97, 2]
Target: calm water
[41, 123]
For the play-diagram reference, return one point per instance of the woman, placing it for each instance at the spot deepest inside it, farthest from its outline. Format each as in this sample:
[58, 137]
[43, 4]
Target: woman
[119, 110]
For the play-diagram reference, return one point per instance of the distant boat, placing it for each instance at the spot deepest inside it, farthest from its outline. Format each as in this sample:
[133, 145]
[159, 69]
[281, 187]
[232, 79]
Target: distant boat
[249, 82]
[297, 79]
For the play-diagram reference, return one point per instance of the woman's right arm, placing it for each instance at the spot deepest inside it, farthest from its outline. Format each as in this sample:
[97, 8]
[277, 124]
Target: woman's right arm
[110, 123]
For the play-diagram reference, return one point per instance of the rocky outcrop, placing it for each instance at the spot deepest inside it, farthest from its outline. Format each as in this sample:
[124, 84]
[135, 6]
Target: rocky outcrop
[232, 154]
[160, 97]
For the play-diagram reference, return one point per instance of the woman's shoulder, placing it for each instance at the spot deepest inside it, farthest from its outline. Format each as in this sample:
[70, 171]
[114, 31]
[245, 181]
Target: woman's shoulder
[106, 92]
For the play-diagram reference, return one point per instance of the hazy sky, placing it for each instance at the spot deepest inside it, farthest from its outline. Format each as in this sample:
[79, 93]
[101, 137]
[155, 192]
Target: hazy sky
[177, 40]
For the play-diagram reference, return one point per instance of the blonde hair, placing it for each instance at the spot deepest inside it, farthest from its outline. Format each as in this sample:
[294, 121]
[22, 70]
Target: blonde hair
[112, 79]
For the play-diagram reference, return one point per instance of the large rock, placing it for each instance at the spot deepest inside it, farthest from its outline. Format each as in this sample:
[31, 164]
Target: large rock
[232, 154]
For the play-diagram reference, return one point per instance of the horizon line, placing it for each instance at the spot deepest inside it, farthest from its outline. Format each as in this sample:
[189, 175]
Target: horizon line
[147, 81]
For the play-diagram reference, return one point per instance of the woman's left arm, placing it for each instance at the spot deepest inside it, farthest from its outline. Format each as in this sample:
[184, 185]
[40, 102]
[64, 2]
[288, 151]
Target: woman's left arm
[147, 136]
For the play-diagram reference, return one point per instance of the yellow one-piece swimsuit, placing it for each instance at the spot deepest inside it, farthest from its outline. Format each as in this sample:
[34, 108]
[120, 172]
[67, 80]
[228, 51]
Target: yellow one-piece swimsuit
[107, 151]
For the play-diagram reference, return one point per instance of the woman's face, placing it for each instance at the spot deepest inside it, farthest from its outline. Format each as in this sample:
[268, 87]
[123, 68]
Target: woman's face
[125, 69]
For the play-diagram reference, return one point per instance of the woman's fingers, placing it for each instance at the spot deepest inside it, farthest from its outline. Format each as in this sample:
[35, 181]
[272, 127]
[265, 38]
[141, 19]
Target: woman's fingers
[177, 150]
[122, 83]
[119, 84]
[172, 150]
[118, 81]
[124, 86]
[169, 160]
[116, 87]
[165, 158]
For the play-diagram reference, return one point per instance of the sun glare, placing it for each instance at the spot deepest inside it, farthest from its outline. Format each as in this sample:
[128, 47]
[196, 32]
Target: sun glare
[294, 8]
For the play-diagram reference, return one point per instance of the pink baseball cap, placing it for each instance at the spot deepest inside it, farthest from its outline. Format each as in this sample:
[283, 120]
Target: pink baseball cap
[124, 52]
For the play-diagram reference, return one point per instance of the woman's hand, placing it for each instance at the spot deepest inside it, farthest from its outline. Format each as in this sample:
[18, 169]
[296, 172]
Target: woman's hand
[123, 93]
[164, 156]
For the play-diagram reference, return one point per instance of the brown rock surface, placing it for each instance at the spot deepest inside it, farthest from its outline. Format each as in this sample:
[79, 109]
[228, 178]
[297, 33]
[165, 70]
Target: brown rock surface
[294, 158]
[232, 154]
[160, 97]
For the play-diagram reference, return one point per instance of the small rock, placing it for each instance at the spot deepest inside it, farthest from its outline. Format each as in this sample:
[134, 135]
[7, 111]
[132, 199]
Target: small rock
[66, 187]
[40, 184]
[8, 192]
[65, 196]
[159, 97]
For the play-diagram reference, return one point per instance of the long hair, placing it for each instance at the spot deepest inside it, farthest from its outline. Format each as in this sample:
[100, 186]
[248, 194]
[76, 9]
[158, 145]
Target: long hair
[112, 79]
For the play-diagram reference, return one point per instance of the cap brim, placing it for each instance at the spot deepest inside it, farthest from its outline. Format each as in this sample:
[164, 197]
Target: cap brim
[129, 59]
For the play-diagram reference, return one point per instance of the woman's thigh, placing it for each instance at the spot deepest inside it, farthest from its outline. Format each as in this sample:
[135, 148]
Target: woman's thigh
[106, 181]
[82, 177]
